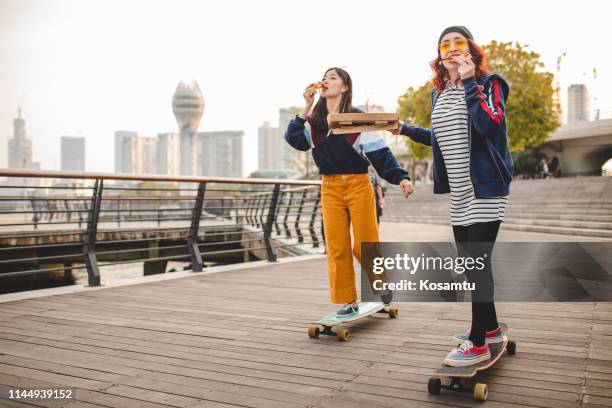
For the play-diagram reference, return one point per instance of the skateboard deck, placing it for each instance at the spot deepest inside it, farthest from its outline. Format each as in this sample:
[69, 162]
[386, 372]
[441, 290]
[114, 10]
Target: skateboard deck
[329, 321]
[342, 123]
[456, 374]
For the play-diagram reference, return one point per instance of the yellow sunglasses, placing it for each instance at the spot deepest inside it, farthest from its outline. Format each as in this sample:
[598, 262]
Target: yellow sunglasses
[460, 44]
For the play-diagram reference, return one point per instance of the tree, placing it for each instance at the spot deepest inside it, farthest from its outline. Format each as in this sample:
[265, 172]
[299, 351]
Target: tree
[415, 108]
[530, 111]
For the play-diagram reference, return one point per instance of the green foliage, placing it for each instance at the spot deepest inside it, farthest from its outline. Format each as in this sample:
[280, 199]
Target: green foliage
[415, 108]
[531, 112]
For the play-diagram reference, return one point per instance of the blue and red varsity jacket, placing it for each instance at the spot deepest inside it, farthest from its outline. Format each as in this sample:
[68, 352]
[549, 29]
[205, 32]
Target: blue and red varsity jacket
[490, 160]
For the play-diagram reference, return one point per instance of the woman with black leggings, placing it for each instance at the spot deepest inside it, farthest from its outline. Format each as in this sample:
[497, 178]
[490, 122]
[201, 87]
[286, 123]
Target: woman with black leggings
[472, 162]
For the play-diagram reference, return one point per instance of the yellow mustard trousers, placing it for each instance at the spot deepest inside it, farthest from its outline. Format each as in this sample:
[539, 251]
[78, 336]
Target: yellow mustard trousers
[347, 199]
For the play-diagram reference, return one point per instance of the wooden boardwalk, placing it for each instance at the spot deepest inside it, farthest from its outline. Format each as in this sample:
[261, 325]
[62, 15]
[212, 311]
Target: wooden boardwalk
[238, 338]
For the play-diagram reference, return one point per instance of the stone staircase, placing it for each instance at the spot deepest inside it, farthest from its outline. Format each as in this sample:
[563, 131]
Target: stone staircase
[570, 206]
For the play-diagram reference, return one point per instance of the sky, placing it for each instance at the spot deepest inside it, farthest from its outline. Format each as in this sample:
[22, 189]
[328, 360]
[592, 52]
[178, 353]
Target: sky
[89, 67]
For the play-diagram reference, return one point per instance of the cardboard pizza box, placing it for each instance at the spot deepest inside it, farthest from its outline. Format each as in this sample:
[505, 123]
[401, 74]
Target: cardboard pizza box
[342, 123]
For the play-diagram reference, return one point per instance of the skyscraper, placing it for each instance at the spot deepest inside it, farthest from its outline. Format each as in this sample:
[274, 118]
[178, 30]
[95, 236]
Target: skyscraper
[270, 145]
[125, 151]
[72, 153]
[188, 107]
[290, 159]
[20, 147]
[577, 103]
[146, 155]
[168, 154]
[220, 153]
[135, 154]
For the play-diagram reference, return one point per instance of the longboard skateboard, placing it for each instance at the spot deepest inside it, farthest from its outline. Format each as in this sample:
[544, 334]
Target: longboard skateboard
[456, 374]
[329, 321]
[342, 123]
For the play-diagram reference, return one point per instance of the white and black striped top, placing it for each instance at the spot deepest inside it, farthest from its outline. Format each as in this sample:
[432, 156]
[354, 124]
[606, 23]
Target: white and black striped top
[449, 121]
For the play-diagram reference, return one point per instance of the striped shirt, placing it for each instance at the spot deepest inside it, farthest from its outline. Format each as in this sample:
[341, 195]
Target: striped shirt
[449, 120]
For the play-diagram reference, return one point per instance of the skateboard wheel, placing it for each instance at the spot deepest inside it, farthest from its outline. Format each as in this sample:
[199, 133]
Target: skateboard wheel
[511, 348]
[344, 335]
[393, 312]
[434, 385]
[481, 391]
[313, 331]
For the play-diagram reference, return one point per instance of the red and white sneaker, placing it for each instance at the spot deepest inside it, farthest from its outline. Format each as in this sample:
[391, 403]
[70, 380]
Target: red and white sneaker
[467, 354]
[491, 337]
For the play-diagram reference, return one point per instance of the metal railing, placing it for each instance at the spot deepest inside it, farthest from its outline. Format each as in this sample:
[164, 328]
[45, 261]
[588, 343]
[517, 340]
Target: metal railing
[90, 220]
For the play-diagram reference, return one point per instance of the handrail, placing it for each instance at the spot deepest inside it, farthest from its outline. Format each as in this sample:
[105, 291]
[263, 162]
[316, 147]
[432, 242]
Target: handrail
[207, 225]
[149, 177]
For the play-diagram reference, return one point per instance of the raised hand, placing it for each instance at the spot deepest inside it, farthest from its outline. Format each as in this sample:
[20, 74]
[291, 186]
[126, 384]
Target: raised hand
[466, 66]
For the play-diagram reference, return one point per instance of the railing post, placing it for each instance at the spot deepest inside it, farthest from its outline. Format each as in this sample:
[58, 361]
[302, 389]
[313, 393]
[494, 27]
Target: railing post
[278, 206]
[313, 216]
[89, 247]
[256, 216]
[299, 215]
[251, 210]
[262, 209]
[269, 221]
[287, 232]
[120, 205]
[192, 239]
[35, 210]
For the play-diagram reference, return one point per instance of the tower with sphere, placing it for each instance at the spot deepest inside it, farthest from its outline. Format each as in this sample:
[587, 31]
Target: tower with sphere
[188, 107]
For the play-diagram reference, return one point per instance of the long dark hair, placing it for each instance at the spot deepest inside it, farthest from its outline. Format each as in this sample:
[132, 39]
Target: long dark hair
[318, 119]
[441, 74]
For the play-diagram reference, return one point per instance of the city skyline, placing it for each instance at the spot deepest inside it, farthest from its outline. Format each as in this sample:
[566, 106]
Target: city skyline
[104, 79]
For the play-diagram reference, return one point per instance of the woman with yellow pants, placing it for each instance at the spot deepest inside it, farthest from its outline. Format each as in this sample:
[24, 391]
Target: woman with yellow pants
[347, 197]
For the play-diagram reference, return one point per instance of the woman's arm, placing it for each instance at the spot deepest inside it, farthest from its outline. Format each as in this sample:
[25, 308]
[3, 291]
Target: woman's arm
[485, 105]
[380, 156]
[418, 134]
[297, 135]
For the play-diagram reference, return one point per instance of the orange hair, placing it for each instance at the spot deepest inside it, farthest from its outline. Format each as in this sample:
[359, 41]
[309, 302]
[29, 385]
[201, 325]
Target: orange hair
[441, 75]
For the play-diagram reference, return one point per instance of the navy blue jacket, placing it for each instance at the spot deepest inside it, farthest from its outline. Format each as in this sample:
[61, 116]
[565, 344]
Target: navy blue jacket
[490, 159]
[346, 154]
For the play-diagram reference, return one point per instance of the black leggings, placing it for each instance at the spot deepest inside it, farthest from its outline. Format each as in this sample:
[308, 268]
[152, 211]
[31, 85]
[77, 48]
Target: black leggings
[476, 240]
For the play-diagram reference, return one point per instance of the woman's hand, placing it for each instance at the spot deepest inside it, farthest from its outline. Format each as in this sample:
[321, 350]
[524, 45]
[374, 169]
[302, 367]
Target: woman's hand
[381, 202]
[466, 67]
[309, 95]
[309, 98]
[406, 187]
[399, 128]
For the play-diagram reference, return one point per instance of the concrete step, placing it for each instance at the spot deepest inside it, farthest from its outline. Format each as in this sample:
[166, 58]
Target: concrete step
[560, 223]
[418, 220]
[516, 201]
[554, 205]
[563, 216]
[552, 212]
[598, 233]
[509, 218]
[549, 229]
[578, 221]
